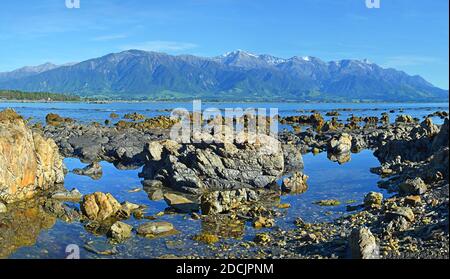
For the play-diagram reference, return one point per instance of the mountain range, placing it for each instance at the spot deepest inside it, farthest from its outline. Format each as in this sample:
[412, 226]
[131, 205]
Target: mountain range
[234, 76]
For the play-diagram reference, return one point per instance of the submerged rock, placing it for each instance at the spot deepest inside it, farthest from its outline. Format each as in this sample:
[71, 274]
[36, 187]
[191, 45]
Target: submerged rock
[328, 202]
[120, 231]
[29, 163]
[206, 238]
[61, 210]
[263, 222]
[154, 229]
[262, 239]
[223, 226]
[225, 201]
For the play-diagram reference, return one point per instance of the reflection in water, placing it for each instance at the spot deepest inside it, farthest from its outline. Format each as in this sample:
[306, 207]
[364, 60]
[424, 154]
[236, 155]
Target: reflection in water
[341, 158]
[33, 227]
[21, 226]
[224, 227]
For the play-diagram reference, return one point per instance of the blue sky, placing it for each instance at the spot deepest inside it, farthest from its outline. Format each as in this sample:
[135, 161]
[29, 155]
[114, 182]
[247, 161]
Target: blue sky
[410, 35]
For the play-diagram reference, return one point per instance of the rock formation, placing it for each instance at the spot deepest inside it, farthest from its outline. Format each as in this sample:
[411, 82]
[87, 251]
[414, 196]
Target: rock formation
[28, 161]
[215, 165]
[339, 148]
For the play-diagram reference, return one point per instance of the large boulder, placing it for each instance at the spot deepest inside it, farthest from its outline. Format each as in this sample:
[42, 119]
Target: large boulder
[215, 163]
[339, 148]
[340, 144]
[100, 206]
[28, 161]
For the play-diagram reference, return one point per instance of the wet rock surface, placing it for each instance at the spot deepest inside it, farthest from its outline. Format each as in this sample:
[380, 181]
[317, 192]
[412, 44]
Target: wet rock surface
[120, 231]
[155, 229]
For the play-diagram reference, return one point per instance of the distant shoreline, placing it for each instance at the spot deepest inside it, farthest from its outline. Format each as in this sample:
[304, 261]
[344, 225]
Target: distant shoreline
[216, 101]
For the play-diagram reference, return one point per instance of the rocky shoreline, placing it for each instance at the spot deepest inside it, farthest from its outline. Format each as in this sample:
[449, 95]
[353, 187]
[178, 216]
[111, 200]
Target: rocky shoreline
[228, 183]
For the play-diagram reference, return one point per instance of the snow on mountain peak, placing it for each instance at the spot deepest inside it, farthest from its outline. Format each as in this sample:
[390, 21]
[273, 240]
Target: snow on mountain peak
[306, 58]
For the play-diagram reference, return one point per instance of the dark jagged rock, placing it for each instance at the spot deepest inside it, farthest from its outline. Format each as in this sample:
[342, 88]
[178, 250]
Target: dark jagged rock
[220, 164]
[412, 143]
[91, 143]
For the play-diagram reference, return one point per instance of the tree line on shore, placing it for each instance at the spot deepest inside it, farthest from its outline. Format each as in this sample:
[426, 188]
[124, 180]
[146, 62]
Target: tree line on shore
[36, 96]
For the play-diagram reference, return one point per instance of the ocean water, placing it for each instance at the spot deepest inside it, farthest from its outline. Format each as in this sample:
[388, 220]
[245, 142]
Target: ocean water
[347, 183]
[328, 180]
[88, 112]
